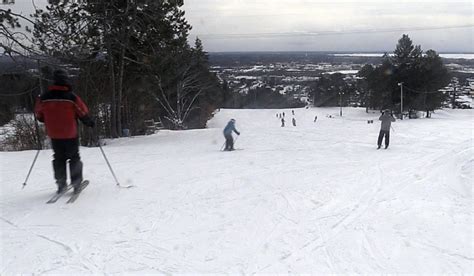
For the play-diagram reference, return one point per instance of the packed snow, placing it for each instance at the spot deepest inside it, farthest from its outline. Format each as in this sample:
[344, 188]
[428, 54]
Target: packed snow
[346, 72]
[315, 198]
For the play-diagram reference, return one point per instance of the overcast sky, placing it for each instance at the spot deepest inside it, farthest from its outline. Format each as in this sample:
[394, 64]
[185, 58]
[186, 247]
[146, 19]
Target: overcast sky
[318, 25]
[315, 25]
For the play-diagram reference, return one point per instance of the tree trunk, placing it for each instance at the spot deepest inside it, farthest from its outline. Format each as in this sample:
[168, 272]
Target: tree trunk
[367, 99]
[178, 105]
[41, 83]
[86, 138]
[453, 100]
[113, 104]
[120, 90]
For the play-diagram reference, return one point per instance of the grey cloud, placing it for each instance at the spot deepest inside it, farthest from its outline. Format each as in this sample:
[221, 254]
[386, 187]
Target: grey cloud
[281, 21]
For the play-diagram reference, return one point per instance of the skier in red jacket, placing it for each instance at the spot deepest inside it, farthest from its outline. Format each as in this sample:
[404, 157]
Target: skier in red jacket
[59, 108]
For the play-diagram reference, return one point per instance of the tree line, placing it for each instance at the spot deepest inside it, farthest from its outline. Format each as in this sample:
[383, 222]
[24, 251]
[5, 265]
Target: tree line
[130, 60]
[421, 74]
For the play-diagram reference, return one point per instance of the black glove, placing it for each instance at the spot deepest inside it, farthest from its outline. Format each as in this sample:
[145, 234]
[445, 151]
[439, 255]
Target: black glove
[88, 121]
[91, 124]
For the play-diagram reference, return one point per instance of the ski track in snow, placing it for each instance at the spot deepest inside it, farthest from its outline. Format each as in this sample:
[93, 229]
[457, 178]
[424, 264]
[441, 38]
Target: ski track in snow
[316, 198]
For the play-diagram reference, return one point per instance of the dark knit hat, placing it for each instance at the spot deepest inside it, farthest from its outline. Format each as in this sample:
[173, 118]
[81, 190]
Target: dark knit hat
[60, 77]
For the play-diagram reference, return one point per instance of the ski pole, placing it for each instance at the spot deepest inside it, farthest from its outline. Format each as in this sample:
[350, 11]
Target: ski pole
[235, 141]
[31, 168]
[38, 141]
[223, 146]
[226, 142]
[110, 167]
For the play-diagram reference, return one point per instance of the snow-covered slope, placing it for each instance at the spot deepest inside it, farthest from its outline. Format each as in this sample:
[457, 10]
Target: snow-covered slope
[315, 198]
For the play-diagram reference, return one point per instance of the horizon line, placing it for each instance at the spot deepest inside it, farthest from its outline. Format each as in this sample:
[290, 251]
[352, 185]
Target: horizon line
[330, 51]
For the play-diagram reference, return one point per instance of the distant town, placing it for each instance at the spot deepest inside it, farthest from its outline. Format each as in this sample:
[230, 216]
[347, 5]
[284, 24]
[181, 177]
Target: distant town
[292, 73]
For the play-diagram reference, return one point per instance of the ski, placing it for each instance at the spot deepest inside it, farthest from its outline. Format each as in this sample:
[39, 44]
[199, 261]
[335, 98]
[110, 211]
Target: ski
[58, 196]
[76, 194]
[232, 150]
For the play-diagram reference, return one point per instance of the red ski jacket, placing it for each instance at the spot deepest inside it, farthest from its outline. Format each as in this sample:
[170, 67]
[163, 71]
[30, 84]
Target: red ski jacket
[59, 108]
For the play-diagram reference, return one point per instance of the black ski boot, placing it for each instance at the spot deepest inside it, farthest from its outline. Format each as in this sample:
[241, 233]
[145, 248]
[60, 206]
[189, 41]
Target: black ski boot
[77, 185]
[61, 186]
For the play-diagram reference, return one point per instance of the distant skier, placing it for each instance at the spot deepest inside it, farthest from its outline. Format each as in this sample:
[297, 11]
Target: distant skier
[229, 140]
[283, 114]
[282, 122]
[315, 119]
[293, 121]
[293, 112]
[387, 120]
[59, 108]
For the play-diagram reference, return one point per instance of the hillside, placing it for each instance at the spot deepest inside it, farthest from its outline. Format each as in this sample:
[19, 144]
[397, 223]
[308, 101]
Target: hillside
[316, 198]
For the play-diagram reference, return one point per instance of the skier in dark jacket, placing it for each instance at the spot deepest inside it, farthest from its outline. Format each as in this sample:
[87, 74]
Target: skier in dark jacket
[59, 109]
[229, 140]
[387, 120]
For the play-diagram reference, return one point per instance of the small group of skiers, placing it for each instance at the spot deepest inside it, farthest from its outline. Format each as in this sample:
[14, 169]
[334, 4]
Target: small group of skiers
[281, 116]
[386, 118]
[293, 121]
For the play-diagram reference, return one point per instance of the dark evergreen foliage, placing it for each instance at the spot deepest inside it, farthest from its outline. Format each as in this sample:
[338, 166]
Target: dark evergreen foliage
[331, 90]
[422, 75]
[133, 60]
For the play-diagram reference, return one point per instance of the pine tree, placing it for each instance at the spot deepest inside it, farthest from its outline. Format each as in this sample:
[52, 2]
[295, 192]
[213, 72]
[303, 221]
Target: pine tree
[362, 84]
[434, 76]
[201, 55]
[422, 76]
[404, 51]
[329, 90]
[135, 43]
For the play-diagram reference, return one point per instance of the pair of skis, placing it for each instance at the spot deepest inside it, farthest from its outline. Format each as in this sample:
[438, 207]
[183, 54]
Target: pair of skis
[73, 197]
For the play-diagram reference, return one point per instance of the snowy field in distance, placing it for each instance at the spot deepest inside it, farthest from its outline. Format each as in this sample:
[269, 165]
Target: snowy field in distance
[443, 55]
[315, 198]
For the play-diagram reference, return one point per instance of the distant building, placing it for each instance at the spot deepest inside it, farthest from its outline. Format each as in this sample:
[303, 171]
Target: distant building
[471, 86]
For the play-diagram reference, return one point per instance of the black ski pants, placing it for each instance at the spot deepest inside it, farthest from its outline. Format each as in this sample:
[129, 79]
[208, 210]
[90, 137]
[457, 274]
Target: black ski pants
[67, 149]
[229, 142]
[383, 133]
